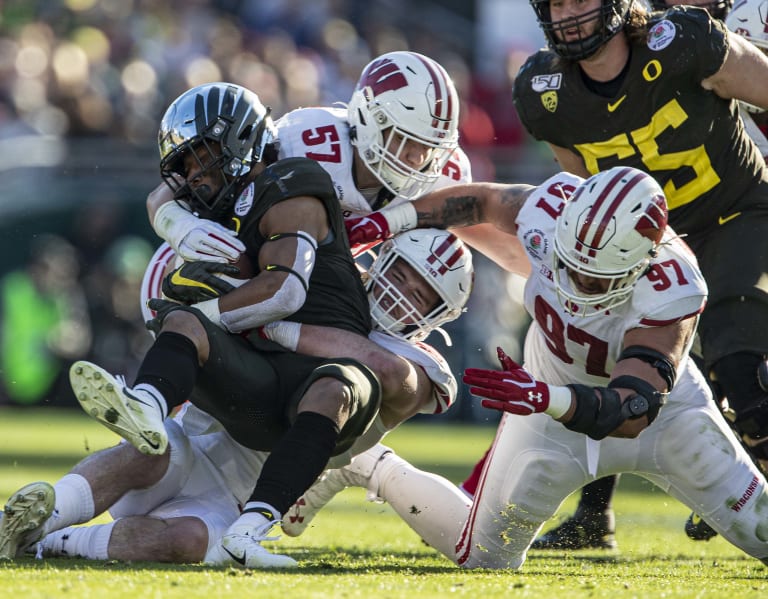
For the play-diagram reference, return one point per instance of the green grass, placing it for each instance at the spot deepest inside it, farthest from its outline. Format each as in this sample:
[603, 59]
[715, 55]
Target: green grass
[360, 549]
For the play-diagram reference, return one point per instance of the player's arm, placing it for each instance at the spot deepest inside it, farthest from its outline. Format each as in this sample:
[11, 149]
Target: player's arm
[743, 75]
[569, 161]
[451, 207]
[643, 376]
[504, 249]
[286, 261]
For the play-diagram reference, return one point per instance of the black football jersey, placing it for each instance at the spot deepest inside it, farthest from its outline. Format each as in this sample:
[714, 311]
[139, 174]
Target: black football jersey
[336, 296]
[660, 119]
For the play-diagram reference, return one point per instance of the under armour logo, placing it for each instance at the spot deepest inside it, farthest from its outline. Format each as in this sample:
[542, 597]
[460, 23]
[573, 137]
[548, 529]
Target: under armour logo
[535, 397]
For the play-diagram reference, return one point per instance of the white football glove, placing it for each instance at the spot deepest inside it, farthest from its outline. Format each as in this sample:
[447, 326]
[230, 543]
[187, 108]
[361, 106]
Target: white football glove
[195, 238]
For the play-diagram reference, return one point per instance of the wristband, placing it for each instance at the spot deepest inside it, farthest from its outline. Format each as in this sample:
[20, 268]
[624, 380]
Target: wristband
[559, 401]
[210, 309]
[401, 217]
[171, 219]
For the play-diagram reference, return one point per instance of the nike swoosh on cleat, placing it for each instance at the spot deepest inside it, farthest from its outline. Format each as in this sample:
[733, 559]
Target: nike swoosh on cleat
[721, 220]
[615, 105]
[239, 560]
[152, 444]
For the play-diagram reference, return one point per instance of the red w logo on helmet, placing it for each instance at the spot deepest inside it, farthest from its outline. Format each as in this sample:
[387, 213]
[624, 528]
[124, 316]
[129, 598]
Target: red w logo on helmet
[653, 222]
[382, 76]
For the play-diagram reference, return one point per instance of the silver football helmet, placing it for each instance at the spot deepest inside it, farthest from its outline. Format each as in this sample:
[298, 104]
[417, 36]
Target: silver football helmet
[402, 97]
[609, 230]
[442, 260]
[232, 126]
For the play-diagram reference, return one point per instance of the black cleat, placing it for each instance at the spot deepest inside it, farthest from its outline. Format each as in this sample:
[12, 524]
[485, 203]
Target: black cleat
[583, 530]
[697, 529]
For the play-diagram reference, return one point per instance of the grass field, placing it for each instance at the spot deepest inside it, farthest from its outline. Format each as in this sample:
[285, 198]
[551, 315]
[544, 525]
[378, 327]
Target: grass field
[360, 549]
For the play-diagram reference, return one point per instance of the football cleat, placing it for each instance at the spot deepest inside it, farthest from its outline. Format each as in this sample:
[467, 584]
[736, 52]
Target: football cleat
[24, 515]
[583, 530]
[135, 415]
[697, 529]
[241, 545]
[359, 473]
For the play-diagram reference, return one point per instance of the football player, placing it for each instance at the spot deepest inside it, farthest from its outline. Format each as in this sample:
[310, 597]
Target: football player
[177, 508]
[609, 58]
[608, 384]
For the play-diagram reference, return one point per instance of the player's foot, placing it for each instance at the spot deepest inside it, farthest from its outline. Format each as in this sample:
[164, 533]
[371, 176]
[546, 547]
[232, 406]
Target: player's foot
[697, 529]
[359, 473]
[241, 546]
[24, 515]
[135, 415]
[583, 530]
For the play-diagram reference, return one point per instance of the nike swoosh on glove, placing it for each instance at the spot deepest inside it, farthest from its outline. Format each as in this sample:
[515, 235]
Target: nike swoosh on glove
[194, 282]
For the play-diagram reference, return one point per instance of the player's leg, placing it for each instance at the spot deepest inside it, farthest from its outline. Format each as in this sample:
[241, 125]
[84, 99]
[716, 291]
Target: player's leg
[165, 379]
[333, 407]
[89, 489]
[533, 465]
[593, 524]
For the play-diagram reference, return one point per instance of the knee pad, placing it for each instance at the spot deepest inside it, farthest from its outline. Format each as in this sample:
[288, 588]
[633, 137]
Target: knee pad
[365, 397]
[743, 378]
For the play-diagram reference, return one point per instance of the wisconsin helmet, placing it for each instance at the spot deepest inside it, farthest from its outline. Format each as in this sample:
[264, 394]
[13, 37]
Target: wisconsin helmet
[442, 260]
[609, 229]
[402, 97]
[611, 16]
[226, 128]
[717, 8]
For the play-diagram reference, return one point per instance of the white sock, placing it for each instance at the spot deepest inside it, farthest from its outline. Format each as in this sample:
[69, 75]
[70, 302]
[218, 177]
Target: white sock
[150, 391]
[74, 503]
[90, 542]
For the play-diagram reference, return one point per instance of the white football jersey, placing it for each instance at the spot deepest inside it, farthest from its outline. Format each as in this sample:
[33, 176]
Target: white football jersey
[322, 134]
[564, 348]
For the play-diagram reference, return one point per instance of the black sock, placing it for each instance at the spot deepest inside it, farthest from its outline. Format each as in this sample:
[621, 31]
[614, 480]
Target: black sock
[296, 461]
[597, 495]
[171, 366]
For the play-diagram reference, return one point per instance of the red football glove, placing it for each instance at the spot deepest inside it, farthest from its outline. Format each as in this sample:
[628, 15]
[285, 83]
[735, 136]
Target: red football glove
[366, 229]
[514, 390]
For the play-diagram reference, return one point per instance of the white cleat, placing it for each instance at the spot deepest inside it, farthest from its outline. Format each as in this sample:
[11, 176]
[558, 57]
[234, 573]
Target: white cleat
[134, 415]
[241, 546]
[358, 473]
[21, 524]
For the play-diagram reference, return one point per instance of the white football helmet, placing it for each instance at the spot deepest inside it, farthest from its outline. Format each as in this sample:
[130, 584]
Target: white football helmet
[442, 260]
[401, 97]
[749, 18]
[609, 229]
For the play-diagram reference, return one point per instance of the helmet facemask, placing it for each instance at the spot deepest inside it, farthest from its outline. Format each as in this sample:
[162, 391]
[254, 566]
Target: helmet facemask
[225, 130]
[609, 231]
[610, 16]
[441, 261]
[400, 99]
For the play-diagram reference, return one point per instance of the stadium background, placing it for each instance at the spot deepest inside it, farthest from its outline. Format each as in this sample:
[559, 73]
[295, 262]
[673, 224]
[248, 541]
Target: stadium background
[83, 84]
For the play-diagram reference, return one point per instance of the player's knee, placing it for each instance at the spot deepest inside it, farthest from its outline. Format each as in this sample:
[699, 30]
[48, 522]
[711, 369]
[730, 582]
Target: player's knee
[188, 324]
[392, 371]
[187, 540]
[329, 397]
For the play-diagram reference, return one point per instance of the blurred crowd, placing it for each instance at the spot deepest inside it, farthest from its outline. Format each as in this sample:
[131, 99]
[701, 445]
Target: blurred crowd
[104, 71]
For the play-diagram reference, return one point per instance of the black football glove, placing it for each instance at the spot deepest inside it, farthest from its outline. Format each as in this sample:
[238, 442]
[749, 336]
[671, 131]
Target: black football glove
[195, 282]
[162, 308]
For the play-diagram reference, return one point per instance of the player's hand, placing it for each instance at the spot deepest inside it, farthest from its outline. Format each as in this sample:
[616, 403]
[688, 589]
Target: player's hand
[195, 238]
[194, 282]
[367, 229]
[514, 390]
[381, 225]
[161, 308]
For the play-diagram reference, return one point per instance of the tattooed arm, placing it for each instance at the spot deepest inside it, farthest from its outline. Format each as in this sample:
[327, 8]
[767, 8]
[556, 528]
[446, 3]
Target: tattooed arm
[473, 204]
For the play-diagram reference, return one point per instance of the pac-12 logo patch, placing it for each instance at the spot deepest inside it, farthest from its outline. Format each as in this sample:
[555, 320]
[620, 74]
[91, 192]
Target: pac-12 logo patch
[549, 100]
[661, 35]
